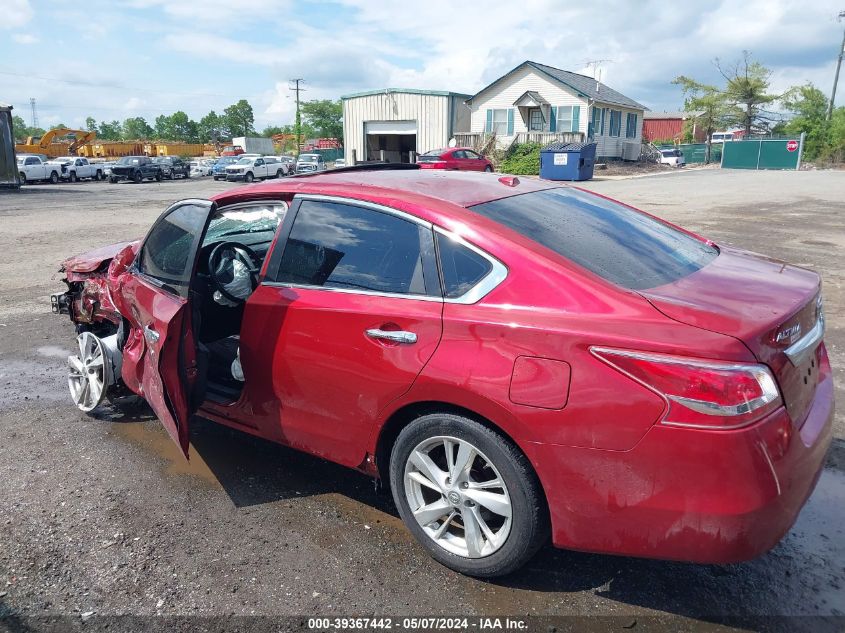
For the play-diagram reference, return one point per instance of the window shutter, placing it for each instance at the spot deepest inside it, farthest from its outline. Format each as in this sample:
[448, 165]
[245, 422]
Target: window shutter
[601, 126]
[553, 119]
[510, 121]
[489, 120]
[576, 115]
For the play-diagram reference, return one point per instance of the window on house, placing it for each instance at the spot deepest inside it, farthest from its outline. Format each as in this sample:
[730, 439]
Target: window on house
[631, 125]
[535, 120]
[615, 122]
[598, 129]
[564, 118]
[500, 122]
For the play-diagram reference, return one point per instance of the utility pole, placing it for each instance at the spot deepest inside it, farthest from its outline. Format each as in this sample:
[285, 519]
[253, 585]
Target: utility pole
[838, 65]
[35, 111]
[297, 126]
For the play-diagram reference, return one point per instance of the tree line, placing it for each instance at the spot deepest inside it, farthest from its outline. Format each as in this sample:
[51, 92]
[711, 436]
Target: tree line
[320, 119]
[745, 101]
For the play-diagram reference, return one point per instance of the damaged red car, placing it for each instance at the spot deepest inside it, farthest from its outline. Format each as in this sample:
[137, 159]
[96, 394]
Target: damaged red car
[521, 361]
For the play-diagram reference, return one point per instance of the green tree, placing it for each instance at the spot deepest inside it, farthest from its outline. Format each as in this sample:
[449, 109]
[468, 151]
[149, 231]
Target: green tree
[709, 104]
[324, 117]
[110, 131]
[747, 92]
[91, 124]
[834, 149]
[239, 119]
[808, 106]
[137, 128]
[183, 128]
[211, 128]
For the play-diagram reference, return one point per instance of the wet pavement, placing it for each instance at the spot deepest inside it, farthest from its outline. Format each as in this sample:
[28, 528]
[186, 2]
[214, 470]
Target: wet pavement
[102, 516]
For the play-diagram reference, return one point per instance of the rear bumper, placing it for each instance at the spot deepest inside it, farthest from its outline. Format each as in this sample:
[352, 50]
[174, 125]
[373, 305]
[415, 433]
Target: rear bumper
[683, 494]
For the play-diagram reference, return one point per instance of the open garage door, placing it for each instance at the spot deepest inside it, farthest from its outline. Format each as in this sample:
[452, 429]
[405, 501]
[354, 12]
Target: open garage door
[393, 141]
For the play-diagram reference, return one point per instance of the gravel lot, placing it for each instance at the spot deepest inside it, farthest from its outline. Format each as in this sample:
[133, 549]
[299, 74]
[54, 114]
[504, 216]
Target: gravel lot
[103, 515]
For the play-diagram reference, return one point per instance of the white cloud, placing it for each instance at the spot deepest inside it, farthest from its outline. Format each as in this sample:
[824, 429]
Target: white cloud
[134, 104]
[16, 13]
[25, 38]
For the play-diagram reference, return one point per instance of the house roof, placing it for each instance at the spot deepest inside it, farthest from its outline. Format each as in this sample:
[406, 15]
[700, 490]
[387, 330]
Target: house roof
[671, 115]
[533, 95]
[581, 84]
[412, 91]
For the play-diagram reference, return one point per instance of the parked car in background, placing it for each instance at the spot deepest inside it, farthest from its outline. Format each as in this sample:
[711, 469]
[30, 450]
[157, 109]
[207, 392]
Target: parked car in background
[340, 162]
[74, 168]
[136, 169]
[218, 172]
[33, 169]
[249, 168]
[307, 163]
[672, 157]
[521, 361]
[199, 168]
[106, 167]
[173, 167]
[722, 137]
[454, 158]
[289, 163]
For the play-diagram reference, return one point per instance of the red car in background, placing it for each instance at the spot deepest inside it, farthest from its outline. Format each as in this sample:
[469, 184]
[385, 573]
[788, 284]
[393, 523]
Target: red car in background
[454, 158]
[520, 360]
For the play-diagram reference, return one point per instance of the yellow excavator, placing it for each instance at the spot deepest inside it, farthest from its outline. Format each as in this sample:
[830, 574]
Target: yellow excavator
[45, 144]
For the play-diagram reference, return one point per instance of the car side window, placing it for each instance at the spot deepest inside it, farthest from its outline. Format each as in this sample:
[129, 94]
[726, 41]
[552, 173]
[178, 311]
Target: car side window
[259, 162]
[471, 154]
[459, 154]
[461, 267]
[168, 252]
[337, 245]
[31, 161]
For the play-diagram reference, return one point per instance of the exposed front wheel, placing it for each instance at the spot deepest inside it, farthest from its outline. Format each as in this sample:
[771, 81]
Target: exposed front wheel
[488, 169]
[54, 177]
[249, 177]
[22, 176]
[468, 495]
[137, 177]
[72, 177]
[113, 180]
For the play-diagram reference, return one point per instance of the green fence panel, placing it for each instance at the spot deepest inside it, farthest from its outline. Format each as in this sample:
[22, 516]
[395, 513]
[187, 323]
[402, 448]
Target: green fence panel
[740, 154]
[762, 154]
[694, 153]
[776, 155]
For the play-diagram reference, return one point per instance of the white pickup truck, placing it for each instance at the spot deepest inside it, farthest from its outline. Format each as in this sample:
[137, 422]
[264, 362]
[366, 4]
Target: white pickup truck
[74, 168]
[249, 168]
[32, 169]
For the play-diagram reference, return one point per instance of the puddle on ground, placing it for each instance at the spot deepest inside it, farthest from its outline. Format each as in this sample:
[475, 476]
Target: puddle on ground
[152, 437]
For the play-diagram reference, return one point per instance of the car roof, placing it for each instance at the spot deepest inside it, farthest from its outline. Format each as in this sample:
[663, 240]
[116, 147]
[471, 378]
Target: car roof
[406, 187]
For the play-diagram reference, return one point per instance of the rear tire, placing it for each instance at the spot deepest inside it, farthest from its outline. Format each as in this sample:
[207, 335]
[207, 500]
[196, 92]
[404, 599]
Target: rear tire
[514, 511]
[54, 177]
[488, 169]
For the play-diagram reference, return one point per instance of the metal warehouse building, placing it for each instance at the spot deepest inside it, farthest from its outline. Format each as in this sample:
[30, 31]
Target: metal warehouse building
[398, 124]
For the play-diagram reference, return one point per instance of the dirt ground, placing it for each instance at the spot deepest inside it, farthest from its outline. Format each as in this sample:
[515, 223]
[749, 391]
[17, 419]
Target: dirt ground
[102, 517]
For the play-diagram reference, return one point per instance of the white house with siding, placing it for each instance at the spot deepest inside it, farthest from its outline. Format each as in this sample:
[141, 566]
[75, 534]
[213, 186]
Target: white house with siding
[541, 103]
[396, 124]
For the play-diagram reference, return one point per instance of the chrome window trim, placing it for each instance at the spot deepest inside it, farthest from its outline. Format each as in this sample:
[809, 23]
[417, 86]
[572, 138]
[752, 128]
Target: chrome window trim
[366, 204]
[498, 273]
[352, 291]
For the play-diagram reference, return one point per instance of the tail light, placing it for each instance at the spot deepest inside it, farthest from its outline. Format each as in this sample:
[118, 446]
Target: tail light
[700, 394]
[432, 164]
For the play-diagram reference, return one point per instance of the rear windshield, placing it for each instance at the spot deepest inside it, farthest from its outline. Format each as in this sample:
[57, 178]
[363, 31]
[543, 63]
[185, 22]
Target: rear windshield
[623, 246]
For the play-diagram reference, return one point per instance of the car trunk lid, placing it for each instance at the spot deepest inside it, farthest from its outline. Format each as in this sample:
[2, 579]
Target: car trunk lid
[767, 304]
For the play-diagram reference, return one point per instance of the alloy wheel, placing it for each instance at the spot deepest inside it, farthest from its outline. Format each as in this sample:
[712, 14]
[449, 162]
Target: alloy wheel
[87, 372]
[458, 496]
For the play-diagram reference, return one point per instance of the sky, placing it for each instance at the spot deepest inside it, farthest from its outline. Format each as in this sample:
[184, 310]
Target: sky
[114, 60]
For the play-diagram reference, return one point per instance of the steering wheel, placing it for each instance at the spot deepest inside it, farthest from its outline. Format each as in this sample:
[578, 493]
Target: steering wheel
[221, 261]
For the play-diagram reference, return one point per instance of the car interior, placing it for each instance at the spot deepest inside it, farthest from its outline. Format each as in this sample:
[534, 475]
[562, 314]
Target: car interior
[231, 255]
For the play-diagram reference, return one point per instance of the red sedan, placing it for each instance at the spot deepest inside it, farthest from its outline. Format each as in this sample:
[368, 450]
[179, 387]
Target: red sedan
[520, 360]
[455, 159]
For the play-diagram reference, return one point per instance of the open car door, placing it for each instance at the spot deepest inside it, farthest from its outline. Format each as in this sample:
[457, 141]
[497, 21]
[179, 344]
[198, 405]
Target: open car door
[160, 355]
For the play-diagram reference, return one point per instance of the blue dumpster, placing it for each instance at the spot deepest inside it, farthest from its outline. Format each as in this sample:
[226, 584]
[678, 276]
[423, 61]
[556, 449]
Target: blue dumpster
[567, 161]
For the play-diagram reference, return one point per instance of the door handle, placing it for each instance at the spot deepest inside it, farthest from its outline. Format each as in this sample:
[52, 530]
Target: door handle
[393, 335]
[150, 334]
